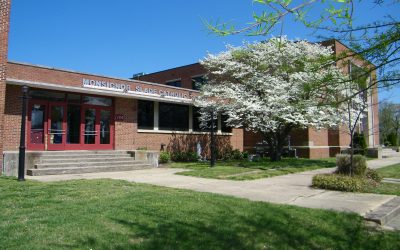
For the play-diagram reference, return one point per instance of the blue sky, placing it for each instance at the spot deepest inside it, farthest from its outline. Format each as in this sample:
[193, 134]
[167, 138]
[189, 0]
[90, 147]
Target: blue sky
[122, 37]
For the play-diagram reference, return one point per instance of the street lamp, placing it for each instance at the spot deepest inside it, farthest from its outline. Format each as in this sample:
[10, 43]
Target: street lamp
[21, 161]
[212, 162]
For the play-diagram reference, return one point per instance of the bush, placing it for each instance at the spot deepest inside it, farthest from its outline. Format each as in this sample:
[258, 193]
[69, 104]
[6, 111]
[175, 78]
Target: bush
[373, 175]
[165, 157]
[343, 162]
[237, 155]
[339, 182]
[229, 154]
[360, 145]
[189, 156]
[391, 140]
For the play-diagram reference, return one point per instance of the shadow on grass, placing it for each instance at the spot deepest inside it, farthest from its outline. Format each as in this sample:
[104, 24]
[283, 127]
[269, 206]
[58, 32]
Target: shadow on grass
[107, 214]
[229, 228]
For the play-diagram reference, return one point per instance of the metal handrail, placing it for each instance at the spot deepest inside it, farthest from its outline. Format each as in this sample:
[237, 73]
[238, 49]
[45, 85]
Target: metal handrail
[90, 132]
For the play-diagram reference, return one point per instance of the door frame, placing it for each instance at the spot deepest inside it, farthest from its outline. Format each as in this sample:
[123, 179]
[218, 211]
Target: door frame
[64, 145]
[97, 145]
[34, 146]
[61, 146]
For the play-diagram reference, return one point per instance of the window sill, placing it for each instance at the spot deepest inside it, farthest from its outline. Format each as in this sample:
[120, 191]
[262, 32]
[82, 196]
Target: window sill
[179, 132]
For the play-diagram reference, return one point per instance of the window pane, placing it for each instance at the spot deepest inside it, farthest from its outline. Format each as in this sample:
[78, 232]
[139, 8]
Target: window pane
[90, 126]
[37, 124]
[105, 116]
[176, 83]
[47, 95]
[73, 124]
[173, 117]
[196, 121]
[74, 98]
[99, 101]
[56, 124]
[145, 115]
[198, 82]
[224, 127]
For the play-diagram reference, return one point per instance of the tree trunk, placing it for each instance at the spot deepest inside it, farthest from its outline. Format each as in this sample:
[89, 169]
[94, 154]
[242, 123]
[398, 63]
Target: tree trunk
[276, 154]
[276, 141]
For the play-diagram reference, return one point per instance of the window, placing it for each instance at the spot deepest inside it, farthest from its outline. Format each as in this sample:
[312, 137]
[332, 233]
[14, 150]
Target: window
[224, 127]
[196, 121]
[145, 115]
[176, 83]
[173, 117]
[47, 95]
[198, 82]
[74, 98]
[99, 101]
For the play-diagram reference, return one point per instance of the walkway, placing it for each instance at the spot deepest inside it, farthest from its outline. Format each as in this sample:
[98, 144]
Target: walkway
[292, 189]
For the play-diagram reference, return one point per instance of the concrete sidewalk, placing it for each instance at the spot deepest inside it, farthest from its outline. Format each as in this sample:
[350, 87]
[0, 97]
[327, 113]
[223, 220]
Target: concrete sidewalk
[292, 189]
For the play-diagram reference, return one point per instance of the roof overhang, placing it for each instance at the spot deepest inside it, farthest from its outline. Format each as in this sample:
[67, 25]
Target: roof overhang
[101, 91]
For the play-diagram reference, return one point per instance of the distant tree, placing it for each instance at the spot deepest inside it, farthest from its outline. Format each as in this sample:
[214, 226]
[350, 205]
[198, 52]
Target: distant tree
[377, 41]
[389, 123]
[276, 86]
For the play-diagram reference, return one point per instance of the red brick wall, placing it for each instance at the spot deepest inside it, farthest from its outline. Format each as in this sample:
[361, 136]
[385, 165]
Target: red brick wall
[125, 130]
[12, 118]
[185, 73]
[4, 28]
[341, 49]
[318, 137]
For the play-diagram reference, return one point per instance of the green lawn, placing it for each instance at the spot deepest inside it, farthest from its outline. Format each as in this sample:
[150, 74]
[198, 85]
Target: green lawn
[109, 214]
[385, 188]
[392, 171]
[245, 170]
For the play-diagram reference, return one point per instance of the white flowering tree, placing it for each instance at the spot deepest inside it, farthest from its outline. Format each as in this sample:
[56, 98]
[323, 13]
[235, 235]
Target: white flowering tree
[276, 86]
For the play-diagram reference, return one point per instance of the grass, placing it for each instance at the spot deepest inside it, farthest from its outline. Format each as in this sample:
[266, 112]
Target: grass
[109, 214]
[392, 171]
[245, 170]
[384, 188]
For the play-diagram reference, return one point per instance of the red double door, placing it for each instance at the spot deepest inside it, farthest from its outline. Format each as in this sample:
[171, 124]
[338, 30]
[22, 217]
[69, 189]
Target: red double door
[58, 126]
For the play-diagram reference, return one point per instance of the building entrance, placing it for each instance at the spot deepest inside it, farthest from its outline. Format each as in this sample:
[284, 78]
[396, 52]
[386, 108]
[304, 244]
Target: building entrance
[71, 123]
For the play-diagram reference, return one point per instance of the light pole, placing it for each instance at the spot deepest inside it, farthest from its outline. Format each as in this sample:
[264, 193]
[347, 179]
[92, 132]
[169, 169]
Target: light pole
[212, 163]
[21, 161]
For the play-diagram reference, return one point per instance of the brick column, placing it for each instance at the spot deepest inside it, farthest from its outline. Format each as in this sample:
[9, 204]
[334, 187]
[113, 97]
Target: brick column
[4, 28]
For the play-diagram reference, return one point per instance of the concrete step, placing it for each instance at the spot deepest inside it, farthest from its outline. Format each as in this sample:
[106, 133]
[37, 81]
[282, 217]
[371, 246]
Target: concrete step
[390, 155]
[393, 224]
[87, 164]
[72, 156]
[385, 213]
[81, 170]
[83, 152]
[86, 159]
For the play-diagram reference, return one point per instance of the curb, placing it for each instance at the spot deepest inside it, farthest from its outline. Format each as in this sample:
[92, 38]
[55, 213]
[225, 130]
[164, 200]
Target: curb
[385, 212]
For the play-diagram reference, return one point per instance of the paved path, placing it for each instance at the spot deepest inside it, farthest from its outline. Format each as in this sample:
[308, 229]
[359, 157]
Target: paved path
[292, 189]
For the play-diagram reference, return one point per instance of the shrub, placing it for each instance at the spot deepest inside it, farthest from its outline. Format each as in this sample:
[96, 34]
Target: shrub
[228, 154]
[165, 157]
[237, 155]
[391, 139]
[343, 162]
[339, 182]
[360, 145]
[189, 156]
[373, 175]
